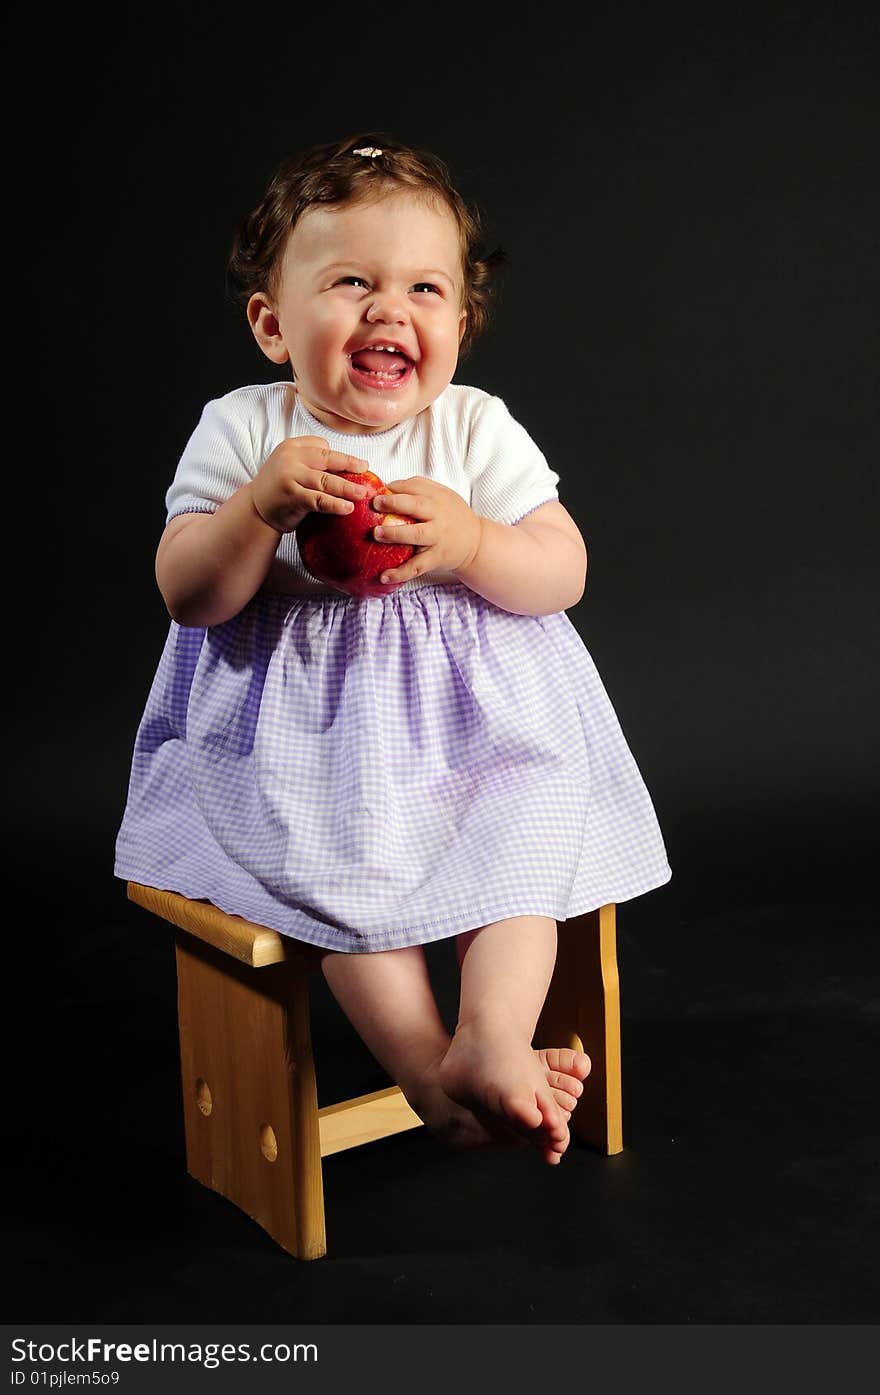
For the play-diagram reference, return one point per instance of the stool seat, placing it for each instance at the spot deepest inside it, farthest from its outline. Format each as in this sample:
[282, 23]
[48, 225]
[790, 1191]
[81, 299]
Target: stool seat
[254, 1132]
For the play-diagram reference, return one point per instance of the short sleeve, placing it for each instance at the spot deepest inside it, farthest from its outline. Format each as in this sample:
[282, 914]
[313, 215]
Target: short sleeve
[509, 475]
[217, 460]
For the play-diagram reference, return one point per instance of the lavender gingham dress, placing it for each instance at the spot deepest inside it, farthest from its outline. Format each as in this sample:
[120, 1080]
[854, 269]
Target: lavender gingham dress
[369, 774]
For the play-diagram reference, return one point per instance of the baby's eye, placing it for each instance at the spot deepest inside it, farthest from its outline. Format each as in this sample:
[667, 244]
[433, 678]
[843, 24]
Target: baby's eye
[426, 286]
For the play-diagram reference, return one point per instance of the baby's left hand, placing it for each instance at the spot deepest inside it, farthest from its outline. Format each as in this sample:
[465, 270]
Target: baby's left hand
[446, 532]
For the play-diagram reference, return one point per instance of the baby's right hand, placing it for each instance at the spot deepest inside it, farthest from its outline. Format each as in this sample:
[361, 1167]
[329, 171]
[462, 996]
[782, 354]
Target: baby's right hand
[300, 477]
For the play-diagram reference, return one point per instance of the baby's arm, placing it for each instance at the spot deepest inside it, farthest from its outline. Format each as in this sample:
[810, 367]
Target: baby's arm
[209, 565]
[535, 567]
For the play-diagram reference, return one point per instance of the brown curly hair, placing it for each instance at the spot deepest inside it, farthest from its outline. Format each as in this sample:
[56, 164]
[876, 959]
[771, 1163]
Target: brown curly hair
[335, 174]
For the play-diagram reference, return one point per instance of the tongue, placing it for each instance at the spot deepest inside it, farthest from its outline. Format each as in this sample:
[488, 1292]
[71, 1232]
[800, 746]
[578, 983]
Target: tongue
[379, 361]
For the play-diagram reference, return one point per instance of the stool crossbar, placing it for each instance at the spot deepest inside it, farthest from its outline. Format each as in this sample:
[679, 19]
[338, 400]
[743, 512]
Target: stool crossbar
[254, 1132]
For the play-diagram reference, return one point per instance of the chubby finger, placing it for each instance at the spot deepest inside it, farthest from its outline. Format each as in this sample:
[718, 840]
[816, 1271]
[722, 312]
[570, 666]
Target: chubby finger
[407, 504]
[406, 534]
[315, 450]
[399, 486]
[337, 460]
[330, 494]
[422, 562]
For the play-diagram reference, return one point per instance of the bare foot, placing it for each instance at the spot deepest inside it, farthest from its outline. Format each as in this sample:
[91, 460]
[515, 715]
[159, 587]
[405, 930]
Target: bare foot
[459, 1127]
[491, 1071]
[452, 1123]
[566, 1071]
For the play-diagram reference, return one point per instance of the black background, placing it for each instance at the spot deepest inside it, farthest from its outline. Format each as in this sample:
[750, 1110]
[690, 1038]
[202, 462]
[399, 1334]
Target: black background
[688, 327]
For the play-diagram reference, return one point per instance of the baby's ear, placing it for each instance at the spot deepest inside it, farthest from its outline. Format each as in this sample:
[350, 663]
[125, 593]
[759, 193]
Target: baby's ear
[265, 327]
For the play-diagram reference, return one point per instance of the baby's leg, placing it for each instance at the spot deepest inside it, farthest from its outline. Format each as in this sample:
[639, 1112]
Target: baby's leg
[490, 1066]
[389, 1000]
[566, 1068]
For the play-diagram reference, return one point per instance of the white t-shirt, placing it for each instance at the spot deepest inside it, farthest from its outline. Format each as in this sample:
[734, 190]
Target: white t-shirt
[466, 439]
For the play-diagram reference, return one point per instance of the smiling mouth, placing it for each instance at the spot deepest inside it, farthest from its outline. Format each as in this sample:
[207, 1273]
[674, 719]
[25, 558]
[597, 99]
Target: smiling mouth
[381, 368]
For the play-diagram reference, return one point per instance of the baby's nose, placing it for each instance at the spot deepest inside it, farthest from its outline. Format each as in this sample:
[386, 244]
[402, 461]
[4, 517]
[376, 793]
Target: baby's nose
[386, 308]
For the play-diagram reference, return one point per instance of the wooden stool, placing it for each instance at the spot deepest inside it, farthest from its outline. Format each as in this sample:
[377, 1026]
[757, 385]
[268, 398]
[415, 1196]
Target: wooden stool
[254, 1131]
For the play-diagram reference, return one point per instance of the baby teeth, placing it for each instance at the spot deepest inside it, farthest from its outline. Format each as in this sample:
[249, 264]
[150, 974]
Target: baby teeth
[381, 349]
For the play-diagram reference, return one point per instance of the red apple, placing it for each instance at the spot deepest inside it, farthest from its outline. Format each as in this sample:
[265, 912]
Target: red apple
[340, 548]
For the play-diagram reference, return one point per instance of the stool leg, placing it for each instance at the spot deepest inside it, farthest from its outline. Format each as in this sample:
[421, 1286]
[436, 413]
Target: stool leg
[250, 1103]
[582, 1010]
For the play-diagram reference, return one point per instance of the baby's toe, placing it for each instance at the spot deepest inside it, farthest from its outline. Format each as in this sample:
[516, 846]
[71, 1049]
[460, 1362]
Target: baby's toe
[554, 1117]
[567, 1061]
[566, 1084]
[566, 1102]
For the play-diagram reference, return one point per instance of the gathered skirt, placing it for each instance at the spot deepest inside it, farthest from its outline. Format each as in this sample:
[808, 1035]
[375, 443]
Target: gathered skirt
[369, 774]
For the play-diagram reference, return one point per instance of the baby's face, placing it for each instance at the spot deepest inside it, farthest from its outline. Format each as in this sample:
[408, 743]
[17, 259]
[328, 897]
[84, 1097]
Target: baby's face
[364, 274]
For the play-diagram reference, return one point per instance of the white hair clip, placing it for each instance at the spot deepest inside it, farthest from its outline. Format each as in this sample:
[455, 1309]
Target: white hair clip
[367, 150]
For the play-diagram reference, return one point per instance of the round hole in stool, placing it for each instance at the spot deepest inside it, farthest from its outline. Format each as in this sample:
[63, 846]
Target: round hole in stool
[268, 1143]
[203, 1097]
